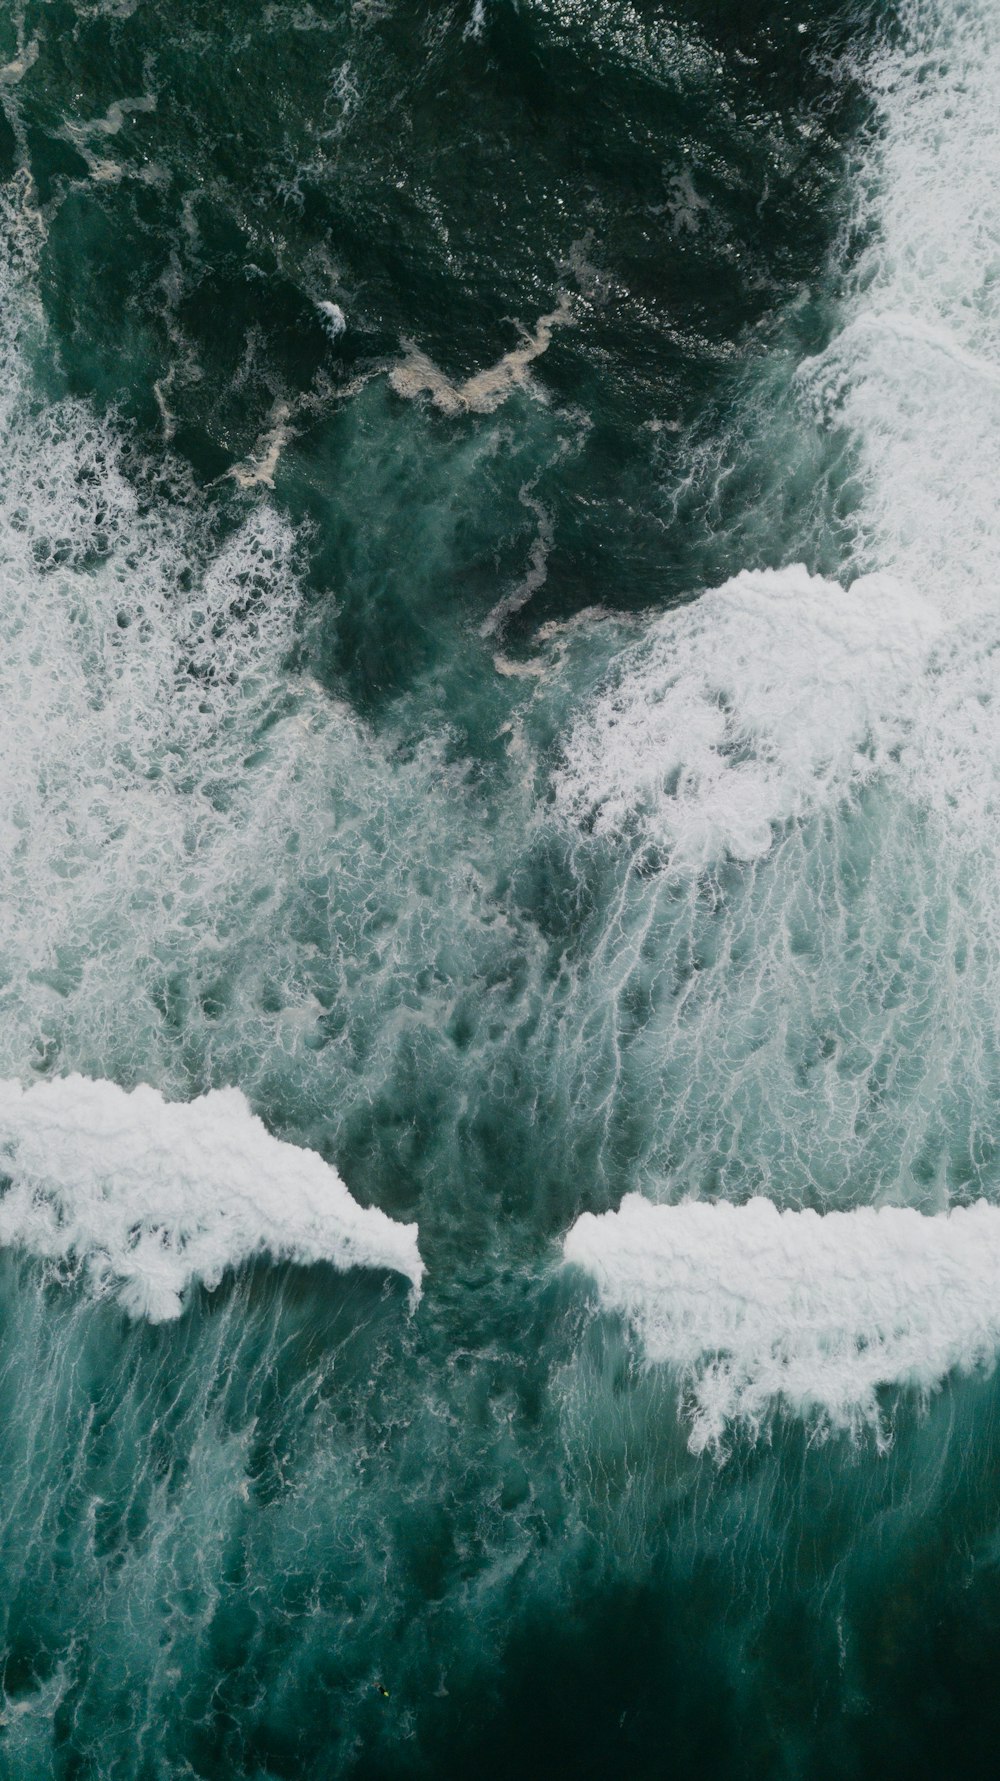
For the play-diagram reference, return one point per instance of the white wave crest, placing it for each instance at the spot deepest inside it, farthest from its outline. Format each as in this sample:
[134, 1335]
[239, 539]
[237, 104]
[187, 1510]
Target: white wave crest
[757, 1308]
[153, 1195]
[746, 709]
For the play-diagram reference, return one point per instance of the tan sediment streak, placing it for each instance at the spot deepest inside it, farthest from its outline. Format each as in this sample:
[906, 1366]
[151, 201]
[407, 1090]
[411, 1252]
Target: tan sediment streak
[417, 374]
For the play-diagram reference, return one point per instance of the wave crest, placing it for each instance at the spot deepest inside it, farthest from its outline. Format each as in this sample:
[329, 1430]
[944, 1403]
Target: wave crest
[757, 1308]
[152, 1195]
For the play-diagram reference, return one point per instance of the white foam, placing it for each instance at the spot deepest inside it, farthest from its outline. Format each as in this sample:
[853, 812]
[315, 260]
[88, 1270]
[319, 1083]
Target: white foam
[153, 1195]
[747, 708]
[918, 361]
[259, 470]
[914, 378]
[757, 1308]
[911, 381]
[168, 785]
[334, 319]
[477, 23]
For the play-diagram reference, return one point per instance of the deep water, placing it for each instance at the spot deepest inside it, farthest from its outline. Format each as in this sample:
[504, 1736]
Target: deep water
[498, 638]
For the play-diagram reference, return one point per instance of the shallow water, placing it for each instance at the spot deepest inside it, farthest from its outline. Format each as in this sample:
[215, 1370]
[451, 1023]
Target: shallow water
[498, 566]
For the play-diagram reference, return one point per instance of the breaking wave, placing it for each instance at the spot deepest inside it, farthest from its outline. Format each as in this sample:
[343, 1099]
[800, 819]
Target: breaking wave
[756, 1308]
[151, 1196]
[748, 709]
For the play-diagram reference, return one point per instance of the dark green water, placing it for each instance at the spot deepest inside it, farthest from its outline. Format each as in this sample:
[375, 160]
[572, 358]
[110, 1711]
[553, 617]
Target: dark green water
[382, 387]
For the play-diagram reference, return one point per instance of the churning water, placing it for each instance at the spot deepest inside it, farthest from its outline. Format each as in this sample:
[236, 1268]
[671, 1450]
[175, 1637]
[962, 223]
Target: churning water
[499, 889]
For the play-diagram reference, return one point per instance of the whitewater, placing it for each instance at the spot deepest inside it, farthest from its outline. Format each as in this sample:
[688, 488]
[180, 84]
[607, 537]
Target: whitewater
[780, 696]
[758, 1309]
[152, 1195]
[499, 912]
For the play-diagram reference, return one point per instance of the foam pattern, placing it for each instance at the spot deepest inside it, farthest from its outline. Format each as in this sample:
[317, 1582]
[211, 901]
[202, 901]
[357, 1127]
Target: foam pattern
[148, 738]
[804, 1002]
[750, 707]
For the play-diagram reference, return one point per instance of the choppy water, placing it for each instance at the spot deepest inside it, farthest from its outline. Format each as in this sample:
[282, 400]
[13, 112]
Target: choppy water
[499, 570]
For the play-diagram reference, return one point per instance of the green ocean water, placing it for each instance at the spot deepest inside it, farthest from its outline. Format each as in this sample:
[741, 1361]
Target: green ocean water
[384, 389]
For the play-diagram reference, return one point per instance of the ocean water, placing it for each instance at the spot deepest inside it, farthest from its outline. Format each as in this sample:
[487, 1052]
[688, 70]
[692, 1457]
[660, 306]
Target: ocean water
[499, 890]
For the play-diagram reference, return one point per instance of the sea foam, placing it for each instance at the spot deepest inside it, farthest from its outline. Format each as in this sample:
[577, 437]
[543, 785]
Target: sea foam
[707, 735]
[746, 709]
[152, 1195]
[757, 1308]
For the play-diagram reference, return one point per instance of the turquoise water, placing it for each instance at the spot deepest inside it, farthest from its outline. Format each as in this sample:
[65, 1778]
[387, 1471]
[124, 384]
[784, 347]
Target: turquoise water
[498, 566]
